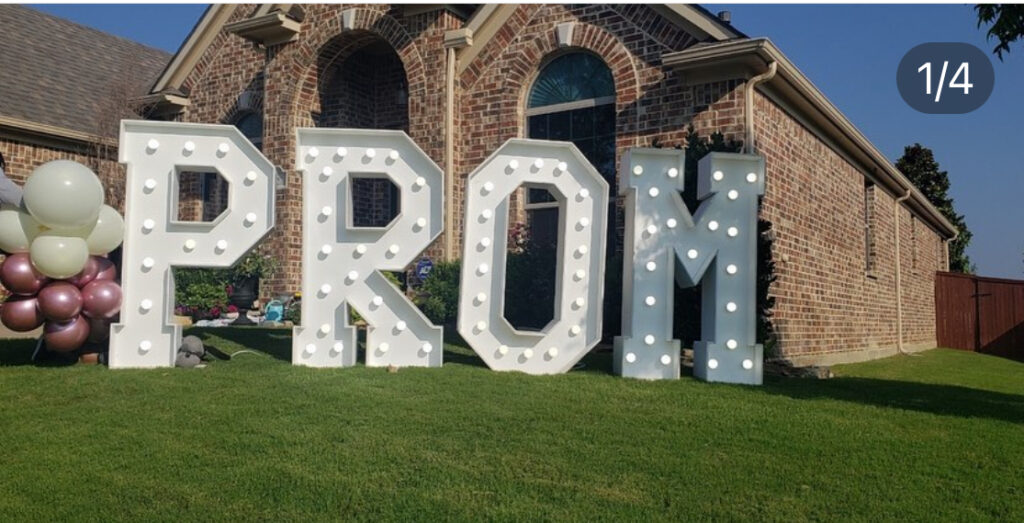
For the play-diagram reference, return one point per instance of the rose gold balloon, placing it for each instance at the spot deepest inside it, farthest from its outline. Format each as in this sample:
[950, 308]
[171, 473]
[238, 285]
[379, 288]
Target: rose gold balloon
[102, 299]
[66, 336]
[60, 301]
[99, 330]
[19, 276]
[88, 274]
[105, 269]
[21, 314]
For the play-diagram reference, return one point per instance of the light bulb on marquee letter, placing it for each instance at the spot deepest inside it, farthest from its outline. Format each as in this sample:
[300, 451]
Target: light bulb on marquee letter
[341, 263]
[582, 196]
[717, 246]
[154, 153]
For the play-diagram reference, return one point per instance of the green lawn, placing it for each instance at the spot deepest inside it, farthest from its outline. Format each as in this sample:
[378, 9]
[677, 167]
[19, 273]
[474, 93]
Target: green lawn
[938, 435]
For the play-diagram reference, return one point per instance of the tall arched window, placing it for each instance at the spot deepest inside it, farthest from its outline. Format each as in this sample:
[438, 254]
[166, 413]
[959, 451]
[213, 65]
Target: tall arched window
[251, 126]
[573, 99]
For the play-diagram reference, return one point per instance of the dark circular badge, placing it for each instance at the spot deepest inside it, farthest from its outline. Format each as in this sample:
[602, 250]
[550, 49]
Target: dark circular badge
[945, 78]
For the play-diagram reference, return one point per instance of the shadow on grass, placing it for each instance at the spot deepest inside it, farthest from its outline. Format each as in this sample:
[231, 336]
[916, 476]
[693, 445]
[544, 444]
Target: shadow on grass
[276, 343]
[945, 400]
[16, 352]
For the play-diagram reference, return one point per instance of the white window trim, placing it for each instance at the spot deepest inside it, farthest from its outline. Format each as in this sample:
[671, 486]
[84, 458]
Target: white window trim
[570, 106]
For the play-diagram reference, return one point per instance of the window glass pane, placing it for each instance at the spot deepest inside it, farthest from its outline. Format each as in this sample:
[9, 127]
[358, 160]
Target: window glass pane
[582, 122]
[586, 146]
[251, 126]
[539, 196]
[604, 157]
[558, 126]
[538, 126]
[592, 129]
[572, 77]
[604, 119]
[544, 229]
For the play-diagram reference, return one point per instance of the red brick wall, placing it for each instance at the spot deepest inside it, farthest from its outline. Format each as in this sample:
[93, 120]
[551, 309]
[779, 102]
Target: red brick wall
[827, 303]
[293, 79]
[652, 106]
[23, 157]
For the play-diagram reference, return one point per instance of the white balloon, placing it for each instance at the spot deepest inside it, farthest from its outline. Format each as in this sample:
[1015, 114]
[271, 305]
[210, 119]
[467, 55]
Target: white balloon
[59, 256]
[17, 229]
[63, 194]
[108, 232]
[76, 232]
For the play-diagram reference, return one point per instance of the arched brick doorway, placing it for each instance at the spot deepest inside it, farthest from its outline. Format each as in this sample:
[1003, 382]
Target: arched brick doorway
[362, 85]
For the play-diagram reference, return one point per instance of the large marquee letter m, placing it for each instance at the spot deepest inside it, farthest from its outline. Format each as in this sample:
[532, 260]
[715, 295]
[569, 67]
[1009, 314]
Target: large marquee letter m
[717, 246]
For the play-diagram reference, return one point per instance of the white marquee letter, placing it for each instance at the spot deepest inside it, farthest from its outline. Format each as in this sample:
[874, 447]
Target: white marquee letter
[582, 197]
[341, 263]
[155, 152]
[663, 242]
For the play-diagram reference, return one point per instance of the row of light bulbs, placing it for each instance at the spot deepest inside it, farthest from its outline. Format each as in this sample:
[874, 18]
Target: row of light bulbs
[360, 249]
[692, 254]
[578, 275]
[148, 225]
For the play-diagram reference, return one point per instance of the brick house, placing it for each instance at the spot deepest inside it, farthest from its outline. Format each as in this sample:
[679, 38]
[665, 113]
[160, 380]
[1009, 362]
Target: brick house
[856, 247]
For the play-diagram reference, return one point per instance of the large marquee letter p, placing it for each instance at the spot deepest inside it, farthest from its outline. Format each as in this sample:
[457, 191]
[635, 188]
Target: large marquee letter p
[717, 246]
[156, 241]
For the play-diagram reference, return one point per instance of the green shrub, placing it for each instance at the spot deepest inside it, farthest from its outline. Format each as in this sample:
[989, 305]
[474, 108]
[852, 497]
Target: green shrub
[293, 314]
[204, 300]
[438, 297]
[253, 265]
[186, 299]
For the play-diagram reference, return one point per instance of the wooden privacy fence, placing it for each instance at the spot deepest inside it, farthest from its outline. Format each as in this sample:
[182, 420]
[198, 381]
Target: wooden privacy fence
[980, 314]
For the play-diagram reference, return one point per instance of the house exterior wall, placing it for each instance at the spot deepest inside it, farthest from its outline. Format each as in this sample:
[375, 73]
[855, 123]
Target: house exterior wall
[23, 156]
[827, 308]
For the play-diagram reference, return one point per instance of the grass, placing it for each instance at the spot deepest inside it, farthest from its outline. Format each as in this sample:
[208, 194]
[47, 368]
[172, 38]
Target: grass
[936, 436]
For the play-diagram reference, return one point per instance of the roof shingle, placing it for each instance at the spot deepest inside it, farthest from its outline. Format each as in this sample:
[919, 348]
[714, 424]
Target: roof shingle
[59, 73]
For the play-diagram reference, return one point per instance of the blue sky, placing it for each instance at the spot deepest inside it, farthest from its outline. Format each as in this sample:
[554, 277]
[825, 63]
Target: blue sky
[851, 54]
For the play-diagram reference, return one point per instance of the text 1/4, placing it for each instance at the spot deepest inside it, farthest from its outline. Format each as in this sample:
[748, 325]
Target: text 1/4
[954, 83]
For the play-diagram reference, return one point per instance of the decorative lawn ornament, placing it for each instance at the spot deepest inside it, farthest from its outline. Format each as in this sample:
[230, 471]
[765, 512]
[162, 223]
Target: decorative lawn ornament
[717, 246]
[342, 263]
[64, 194]
[50, 241]
[19, 276]
[155, 152]
[582, 196]
[17, 229]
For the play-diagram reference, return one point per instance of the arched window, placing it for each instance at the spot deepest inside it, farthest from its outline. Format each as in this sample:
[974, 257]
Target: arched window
[573, 99]
[251, 126]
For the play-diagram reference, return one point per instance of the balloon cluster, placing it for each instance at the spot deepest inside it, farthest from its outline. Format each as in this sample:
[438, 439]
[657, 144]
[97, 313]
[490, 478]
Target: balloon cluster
[56, 272]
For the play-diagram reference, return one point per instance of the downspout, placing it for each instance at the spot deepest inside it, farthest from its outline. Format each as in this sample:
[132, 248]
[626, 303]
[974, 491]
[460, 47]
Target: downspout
[946, 242]
[749, 104]
[449, 153]
[899, 278]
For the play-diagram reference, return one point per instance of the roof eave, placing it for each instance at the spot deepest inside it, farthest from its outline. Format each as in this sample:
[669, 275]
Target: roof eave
[178, 69]
[50, 135]
[698, 22]
[797, 94]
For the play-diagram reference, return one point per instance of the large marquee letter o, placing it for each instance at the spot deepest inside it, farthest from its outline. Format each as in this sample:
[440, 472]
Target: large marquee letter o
[582, 196]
